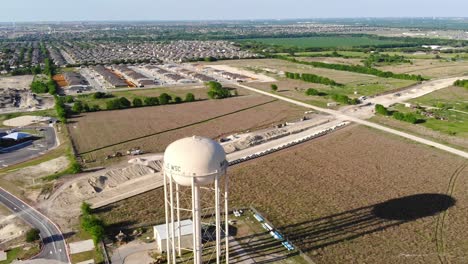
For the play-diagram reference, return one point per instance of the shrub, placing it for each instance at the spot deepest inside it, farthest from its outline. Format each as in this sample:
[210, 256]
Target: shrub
[151, 101]
[216, 90]
[380, 109]
[137, 102]
[32, 235]
[77, 107]
[274, 87]
[164, 98]
[190, 97]
[124, 102]
[311, 91]
[177, 100]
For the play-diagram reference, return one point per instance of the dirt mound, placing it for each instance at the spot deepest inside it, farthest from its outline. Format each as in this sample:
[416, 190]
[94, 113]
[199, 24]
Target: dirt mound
[113, 178]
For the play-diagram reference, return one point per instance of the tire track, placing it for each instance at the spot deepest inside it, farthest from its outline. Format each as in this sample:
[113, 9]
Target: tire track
[439, 232]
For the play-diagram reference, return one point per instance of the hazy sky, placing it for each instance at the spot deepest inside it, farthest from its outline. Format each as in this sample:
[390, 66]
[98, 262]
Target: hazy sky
[72, 10]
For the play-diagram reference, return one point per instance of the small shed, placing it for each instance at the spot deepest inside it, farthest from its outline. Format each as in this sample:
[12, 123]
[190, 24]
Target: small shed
[186, 234]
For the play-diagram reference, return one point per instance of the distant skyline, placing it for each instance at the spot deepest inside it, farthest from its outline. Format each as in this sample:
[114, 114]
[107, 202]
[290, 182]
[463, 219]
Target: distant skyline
[126, 10]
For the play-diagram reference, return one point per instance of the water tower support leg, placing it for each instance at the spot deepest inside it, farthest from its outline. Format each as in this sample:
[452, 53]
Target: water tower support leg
[226, 220]
[178, 221]
[197, 223]
[218, 221]
[172, 222]
[166, 208]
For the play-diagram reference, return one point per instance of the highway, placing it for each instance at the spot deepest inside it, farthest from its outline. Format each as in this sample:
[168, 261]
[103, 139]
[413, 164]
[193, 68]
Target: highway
[54, 243]
[344, 116]
[32, 150]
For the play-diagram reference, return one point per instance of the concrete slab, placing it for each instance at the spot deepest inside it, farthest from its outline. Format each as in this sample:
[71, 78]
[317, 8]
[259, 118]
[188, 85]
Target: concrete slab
[91, 261]
[3, 255]
[81, 246]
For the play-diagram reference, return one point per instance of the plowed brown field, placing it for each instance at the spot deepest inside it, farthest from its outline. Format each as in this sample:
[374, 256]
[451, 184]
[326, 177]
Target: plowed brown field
[355, 196]
[210, 118]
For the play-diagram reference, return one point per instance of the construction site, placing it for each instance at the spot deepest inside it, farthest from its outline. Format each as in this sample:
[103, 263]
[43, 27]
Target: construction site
[16, 96]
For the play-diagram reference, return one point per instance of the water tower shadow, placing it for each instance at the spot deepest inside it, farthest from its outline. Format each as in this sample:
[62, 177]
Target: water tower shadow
[333, 229]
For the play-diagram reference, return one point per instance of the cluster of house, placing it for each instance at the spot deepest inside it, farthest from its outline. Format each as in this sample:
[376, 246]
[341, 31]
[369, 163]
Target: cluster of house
[175, 51]
[228, 75]
[108, 76]
[15, 55]
[56, 56]
[131, 75]
[75, 81]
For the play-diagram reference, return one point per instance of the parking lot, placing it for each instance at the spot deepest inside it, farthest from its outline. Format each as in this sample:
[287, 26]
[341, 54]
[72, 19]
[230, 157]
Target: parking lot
[29, 149]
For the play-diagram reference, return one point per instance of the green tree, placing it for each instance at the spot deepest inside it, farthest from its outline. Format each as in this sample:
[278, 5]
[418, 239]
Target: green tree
[151, 101]
[164, 98]
[137, 102]
[69, 99]
[380, 109]
[124, 102]
[51, 87]
[85, 208]
[86, 107]
[274, 87]
[177, 100]
[113, 104]
[77, 107]
[32, 235]
[216, 90]
[190, 97]
[94, 108]
[312, 91]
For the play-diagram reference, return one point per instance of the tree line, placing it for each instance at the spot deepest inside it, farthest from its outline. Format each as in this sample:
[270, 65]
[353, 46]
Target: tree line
[312, 78]
[44, 86]
[461, 83]
[91, 223]
[124, 103]
[406, 117]
[377, 58]
[355, 68]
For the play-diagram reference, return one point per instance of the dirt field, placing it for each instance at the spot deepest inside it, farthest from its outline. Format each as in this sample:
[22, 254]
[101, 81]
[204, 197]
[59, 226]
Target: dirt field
[357, 196]
[95, 130]
[430, 68]
[332, 60]
[362, 83]
[23, 81]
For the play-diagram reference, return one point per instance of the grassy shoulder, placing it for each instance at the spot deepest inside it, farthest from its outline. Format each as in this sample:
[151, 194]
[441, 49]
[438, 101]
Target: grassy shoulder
[95, 254]
[22, 253]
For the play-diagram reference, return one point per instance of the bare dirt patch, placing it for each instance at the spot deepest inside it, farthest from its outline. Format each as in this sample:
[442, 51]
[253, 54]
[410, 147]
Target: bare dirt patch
[25, 120]
[332, 60]
[430, 68]
[334, 197]
[94, 130]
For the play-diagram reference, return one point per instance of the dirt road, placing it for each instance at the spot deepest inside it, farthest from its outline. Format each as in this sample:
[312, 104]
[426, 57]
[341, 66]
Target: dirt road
[344, 116]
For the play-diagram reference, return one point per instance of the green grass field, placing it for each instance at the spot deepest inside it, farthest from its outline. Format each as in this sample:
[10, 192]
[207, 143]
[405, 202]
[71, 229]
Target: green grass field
[453, 98]
[323, 42]
[456, 123]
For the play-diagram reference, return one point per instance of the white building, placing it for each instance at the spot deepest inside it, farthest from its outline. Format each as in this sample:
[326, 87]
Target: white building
[186, 234]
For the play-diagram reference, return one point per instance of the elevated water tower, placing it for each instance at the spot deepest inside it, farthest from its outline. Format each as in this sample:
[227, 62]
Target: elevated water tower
[196, 163]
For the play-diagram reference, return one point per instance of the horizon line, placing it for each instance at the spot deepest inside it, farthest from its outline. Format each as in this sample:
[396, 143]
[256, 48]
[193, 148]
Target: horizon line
[230, 20]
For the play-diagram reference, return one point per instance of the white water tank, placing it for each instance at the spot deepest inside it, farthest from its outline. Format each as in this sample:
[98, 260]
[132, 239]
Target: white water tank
[195, 157]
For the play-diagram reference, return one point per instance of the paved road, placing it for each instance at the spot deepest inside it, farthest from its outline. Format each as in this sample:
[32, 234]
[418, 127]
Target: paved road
[54, 243]
[348, 117]
[32, 150]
